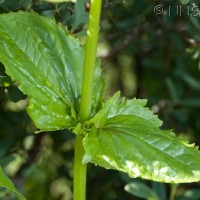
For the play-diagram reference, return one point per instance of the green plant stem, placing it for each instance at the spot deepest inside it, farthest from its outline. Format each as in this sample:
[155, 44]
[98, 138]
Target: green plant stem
[90, 60]
[80, 170]
[173, 191]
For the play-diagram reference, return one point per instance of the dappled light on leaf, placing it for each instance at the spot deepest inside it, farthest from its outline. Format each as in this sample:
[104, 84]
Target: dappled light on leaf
[49, 71]
[128, 141]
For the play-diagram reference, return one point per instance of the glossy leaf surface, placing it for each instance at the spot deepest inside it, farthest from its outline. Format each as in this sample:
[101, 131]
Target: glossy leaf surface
[130, 141]
[48, 64]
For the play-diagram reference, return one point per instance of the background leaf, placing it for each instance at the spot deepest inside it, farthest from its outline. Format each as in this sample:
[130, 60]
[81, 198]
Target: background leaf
[15, 5]
[160, 190]
[5, 182]
[184, 1]
[80, 16]
[191, 194]
[14, 93]
[58, 1]
[5, 81]
[141, 190]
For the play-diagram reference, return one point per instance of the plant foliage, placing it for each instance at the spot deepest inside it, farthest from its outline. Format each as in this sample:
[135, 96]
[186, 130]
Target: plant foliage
[122, 134]
[54, 93]
[6, 183]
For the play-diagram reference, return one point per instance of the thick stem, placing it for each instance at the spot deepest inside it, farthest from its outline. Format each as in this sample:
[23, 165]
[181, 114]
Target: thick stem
[90, 59]
[80, 169]
[173, 191]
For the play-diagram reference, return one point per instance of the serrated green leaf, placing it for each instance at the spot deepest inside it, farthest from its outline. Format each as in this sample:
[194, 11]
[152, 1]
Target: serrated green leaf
[6, 183]
[48, 64]
[130, 141]
[141, 190]
[114, 106]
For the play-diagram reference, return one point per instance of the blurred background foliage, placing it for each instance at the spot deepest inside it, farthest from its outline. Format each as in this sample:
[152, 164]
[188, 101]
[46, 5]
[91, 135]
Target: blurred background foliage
[145, 54]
